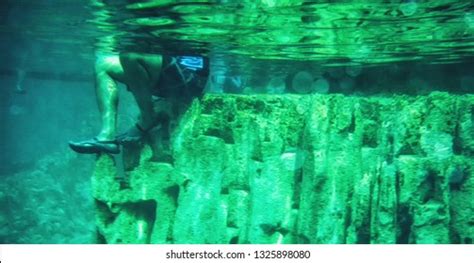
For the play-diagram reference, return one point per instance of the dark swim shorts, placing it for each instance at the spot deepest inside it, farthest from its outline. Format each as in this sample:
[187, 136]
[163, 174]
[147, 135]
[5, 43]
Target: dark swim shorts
[182, 77]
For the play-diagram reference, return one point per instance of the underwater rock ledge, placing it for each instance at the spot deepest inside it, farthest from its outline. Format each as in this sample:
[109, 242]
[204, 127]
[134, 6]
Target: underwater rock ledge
[301, 169]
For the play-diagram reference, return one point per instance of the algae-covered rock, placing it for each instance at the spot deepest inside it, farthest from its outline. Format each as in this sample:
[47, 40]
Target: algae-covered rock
[301, 169]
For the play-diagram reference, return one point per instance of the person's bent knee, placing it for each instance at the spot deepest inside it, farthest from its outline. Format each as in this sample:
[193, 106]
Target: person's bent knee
[109, 65]
[128, 58]
[102, 63]
[143, 59]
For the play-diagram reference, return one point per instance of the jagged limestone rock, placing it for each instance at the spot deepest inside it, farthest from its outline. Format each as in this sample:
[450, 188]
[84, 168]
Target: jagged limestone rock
[301, 169]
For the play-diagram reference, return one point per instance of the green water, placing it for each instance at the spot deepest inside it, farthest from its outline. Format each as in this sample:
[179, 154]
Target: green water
[332, 32]
[329, 32]
[333, 156]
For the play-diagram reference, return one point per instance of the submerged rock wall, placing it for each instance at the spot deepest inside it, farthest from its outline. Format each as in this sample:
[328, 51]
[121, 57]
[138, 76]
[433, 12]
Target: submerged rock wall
[301, 169]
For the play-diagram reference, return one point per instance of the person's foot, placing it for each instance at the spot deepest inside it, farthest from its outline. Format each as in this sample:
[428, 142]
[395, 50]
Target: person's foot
[95, 146]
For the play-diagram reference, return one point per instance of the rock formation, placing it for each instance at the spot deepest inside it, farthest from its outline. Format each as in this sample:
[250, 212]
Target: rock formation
[300, 169]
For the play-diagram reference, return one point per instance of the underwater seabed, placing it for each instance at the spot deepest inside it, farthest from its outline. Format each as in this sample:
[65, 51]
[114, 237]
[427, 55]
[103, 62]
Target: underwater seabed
[49, 203]
[299, 169]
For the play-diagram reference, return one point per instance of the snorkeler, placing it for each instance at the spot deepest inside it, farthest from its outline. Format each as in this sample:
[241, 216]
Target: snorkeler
[178, 79]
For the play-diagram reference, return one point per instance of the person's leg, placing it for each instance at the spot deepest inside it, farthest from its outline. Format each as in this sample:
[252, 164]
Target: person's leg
[142, 72]
[108, 70]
